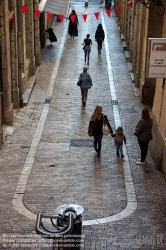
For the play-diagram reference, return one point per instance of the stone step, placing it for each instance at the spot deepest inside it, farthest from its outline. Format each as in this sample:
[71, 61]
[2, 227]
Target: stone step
[129, 65]
[132, 77]
[126, 54]
[124, 44]
[122, 36]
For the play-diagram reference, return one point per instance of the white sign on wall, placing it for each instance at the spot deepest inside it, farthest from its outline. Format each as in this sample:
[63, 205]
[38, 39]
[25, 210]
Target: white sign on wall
[156, 58]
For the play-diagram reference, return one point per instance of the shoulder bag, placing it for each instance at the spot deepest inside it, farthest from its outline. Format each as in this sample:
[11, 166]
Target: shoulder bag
[105, 128]
[79, 82]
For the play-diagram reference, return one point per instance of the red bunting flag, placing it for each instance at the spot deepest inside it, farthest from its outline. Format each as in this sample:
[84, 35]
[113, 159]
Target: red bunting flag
[73, 18]
[49, 15]
[37, 13]
[84, 17]
[97, 15]
[108, 12]
[24, 9]
[130, 3]
[61, 17]
[118, 8]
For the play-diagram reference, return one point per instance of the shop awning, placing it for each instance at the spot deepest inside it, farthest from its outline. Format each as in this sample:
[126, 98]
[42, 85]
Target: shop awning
[55, 6]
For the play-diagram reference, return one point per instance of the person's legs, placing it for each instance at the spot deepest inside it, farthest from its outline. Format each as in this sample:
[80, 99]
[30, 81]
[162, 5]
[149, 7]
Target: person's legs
[100, 46]
[88, 54]
[121, 150]
[99, 140]
[85, 56]
[144, 150]
[85, 95]
[117, 149]
[140, 145]
[95, 142]
[82, 94]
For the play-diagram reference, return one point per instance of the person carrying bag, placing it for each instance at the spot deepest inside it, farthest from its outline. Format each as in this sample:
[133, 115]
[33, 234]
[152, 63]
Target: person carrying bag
[85, 83]
[95, 128]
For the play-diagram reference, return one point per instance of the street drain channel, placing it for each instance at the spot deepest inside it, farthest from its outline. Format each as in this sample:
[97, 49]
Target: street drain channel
[81, 143]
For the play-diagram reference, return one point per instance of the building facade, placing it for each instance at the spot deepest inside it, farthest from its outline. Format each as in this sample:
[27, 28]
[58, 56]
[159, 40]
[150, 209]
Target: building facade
[19, 53]
[137, 24]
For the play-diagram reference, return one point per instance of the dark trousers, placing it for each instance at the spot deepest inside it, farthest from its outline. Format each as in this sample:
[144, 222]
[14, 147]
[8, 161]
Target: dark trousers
[144, 149]
[99, 43]
[97, 142]
[84, 93]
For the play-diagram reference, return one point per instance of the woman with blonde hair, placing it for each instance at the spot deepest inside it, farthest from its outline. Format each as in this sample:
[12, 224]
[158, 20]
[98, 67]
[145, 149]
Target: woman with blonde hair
[95, 128]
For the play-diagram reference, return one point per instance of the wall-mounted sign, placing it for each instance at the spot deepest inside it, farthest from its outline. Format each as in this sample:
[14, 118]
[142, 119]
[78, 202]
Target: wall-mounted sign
[156, 58]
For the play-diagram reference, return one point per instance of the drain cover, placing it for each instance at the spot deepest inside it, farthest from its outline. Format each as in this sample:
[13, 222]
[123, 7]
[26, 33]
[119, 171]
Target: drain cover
[24, 147]
[48, 100]
[52, 166]
[81, 143]
[37, 103]
[114, 102]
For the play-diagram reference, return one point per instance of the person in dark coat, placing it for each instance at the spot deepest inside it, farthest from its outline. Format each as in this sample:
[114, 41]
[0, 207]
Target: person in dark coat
[52, 36]
[143, 131]
[95, 128]
[72, 29]
[99, 37]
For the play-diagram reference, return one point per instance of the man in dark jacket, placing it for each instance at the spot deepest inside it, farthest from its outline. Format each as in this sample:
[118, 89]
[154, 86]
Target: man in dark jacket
[99, 37]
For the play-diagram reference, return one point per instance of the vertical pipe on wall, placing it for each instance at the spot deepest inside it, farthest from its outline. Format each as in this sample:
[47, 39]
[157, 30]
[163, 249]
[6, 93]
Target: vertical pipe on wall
[1, 87]
[19, 25]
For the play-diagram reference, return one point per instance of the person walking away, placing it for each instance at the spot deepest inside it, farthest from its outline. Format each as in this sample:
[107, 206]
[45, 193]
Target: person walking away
[119, 137]
[99, 37]
[52, 37]
[143, 131]
[87, 47]
[95, 128]
[86, 83]
[72, 28]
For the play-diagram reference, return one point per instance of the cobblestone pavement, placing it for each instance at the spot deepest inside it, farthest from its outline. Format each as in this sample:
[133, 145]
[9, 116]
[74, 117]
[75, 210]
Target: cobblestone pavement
[65, 168]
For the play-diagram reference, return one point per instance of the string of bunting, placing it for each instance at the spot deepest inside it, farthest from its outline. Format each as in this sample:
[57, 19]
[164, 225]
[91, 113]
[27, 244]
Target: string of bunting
[61, 16]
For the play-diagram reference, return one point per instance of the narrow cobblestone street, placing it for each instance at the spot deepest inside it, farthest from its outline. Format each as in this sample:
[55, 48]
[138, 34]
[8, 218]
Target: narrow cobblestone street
[49, 160]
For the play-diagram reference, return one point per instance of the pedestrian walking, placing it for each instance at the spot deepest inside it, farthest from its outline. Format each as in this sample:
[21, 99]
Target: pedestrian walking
[52, 37]
[87, 47]
[119, 138]
[85, 83]
[95, 128]
[143, 131]
[73, 23]
[99, 37]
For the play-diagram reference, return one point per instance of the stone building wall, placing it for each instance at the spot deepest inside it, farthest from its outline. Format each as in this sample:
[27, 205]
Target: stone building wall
[6, 62]
[137, 25]
[20, 39]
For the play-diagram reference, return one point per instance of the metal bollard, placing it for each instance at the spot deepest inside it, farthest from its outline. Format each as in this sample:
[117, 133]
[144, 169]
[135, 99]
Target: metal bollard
[66, 232]
[74, 239]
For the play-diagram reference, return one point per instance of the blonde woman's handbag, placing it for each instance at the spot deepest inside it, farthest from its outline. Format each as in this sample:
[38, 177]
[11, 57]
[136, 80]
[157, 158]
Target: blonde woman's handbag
[105, 128]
